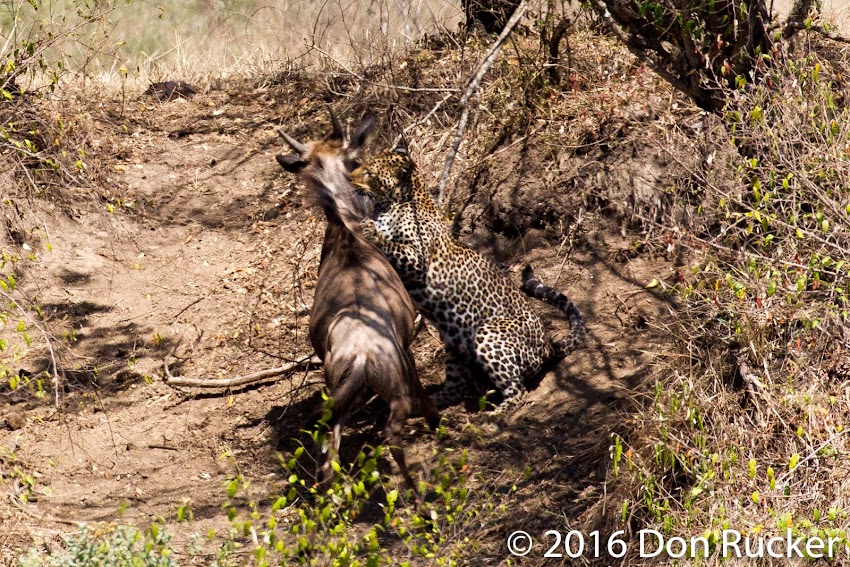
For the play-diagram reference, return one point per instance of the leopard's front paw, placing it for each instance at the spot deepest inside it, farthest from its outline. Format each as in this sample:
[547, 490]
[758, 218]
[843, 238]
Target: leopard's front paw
[370, 231]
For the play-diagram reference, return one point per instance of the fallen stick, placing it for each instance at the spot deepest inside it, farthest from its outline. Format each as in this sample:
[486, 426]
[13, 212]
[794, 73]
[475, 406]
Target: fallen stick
[237, 380]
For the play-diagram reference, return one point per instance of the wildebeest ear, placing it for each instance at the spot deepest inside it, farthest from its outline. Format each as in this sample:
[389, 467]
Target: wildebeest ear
[336, 131]
[362, 133]
[291, 163]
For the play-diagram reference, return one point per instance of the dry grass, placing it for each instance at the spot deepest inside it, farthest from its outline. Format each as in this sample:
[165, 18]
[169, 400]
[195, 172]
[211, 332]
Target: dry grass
[200, 39]
[748, 431]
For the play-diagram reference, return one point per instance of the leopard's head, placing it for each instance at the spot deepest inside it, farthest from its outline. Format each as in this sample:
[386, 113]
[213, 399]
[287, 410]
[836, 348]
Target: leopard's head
[386, 178]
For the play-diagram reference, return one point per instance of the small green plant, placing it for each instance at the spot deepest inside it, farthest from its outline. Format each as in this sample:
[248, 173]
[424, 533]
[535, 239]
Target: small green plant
[121, 546]
[362, 517]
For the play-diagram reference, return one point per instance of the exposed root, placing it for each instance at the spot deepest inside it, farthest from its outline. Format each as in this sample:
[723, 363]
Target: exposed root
[236, 381]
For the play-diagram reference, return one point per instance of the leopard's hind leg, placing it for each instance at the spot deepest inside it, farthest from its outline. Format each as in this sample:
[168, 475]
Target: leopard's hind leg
[507, 356]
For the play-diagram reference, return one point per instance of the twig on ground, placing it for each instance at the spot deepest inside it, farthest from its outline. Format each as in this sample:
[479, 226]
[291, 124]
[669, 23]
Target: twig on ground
[471, 89]
[754, 387]
[569, 239]
[163, 447]
[179, 313]
[237, 380]
[812, 455]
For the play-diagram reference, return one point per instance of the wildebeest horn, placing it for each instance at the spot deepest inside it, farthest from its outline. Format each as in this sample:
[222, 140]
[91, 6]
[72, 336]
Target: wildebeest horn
[336, 134]
[302, 149]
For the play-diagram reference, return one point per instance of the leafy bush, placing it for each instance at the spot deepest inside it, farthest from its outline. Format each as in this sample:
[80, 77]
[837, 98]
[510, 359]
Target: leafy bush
[121, 546]
[742, 433]
[41, 48]
[362, 518]
[703, 48]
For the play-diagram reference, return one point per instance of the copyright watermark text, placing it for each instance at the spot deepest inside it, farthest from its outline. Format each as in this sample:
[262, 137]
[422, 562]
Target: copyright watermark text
[651, 543]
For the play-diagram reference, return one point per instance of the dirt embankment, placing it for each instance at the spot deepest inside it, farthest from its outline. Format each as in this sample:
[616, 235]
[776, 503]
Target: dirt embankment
[209, 259]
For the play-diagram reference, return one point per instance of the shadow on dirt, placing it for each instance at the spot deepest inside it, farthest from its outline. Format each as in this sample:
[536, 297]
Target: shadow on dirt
[71, 277]
[97, 360]
[204, 206]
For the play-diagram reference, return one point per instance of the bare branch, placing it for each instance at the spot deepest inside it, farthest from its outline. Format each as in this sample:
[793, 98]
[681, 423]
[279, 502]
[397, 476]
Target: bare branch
[15, 499]
[834, 36]
[236, 381]
[471, 88]
[422, 120]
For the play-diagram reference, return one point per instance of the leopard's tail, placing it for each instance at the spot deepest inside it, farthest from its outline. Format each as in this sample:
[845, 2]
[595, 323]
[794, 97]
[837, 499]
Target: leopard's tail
[537, 289]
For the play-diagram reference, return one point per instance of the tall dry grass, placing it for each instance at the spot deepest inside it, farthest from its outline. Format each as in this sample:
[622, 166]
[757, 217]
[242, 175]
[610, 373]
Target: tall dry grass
[201, 38]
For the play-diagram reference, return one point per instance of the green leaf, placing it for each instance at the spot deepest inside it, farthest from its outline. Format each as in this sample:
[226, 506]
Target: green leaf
[793, 461]
[392, 496]
[279, 503]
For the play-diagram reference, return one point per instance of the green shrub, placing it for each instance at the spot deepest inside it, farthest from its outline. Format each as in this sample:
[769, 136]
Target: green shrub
[729, 436]
[363, 518]
[122, 546]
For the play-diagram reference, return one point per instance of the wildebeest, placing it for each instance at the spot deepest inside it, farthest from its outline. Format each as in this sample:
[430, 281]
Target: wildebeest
[361, 322]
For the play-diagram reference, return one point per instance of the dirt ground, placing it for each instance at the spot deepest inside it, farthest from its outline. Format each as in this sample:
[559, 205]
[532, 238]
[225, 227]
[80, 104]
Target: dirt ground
[209, 259]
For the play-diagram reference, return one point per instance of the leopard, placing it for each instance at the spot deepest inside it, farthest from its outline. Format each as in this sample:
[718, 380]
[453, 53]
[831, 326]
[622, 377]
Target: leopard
[485, 322]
